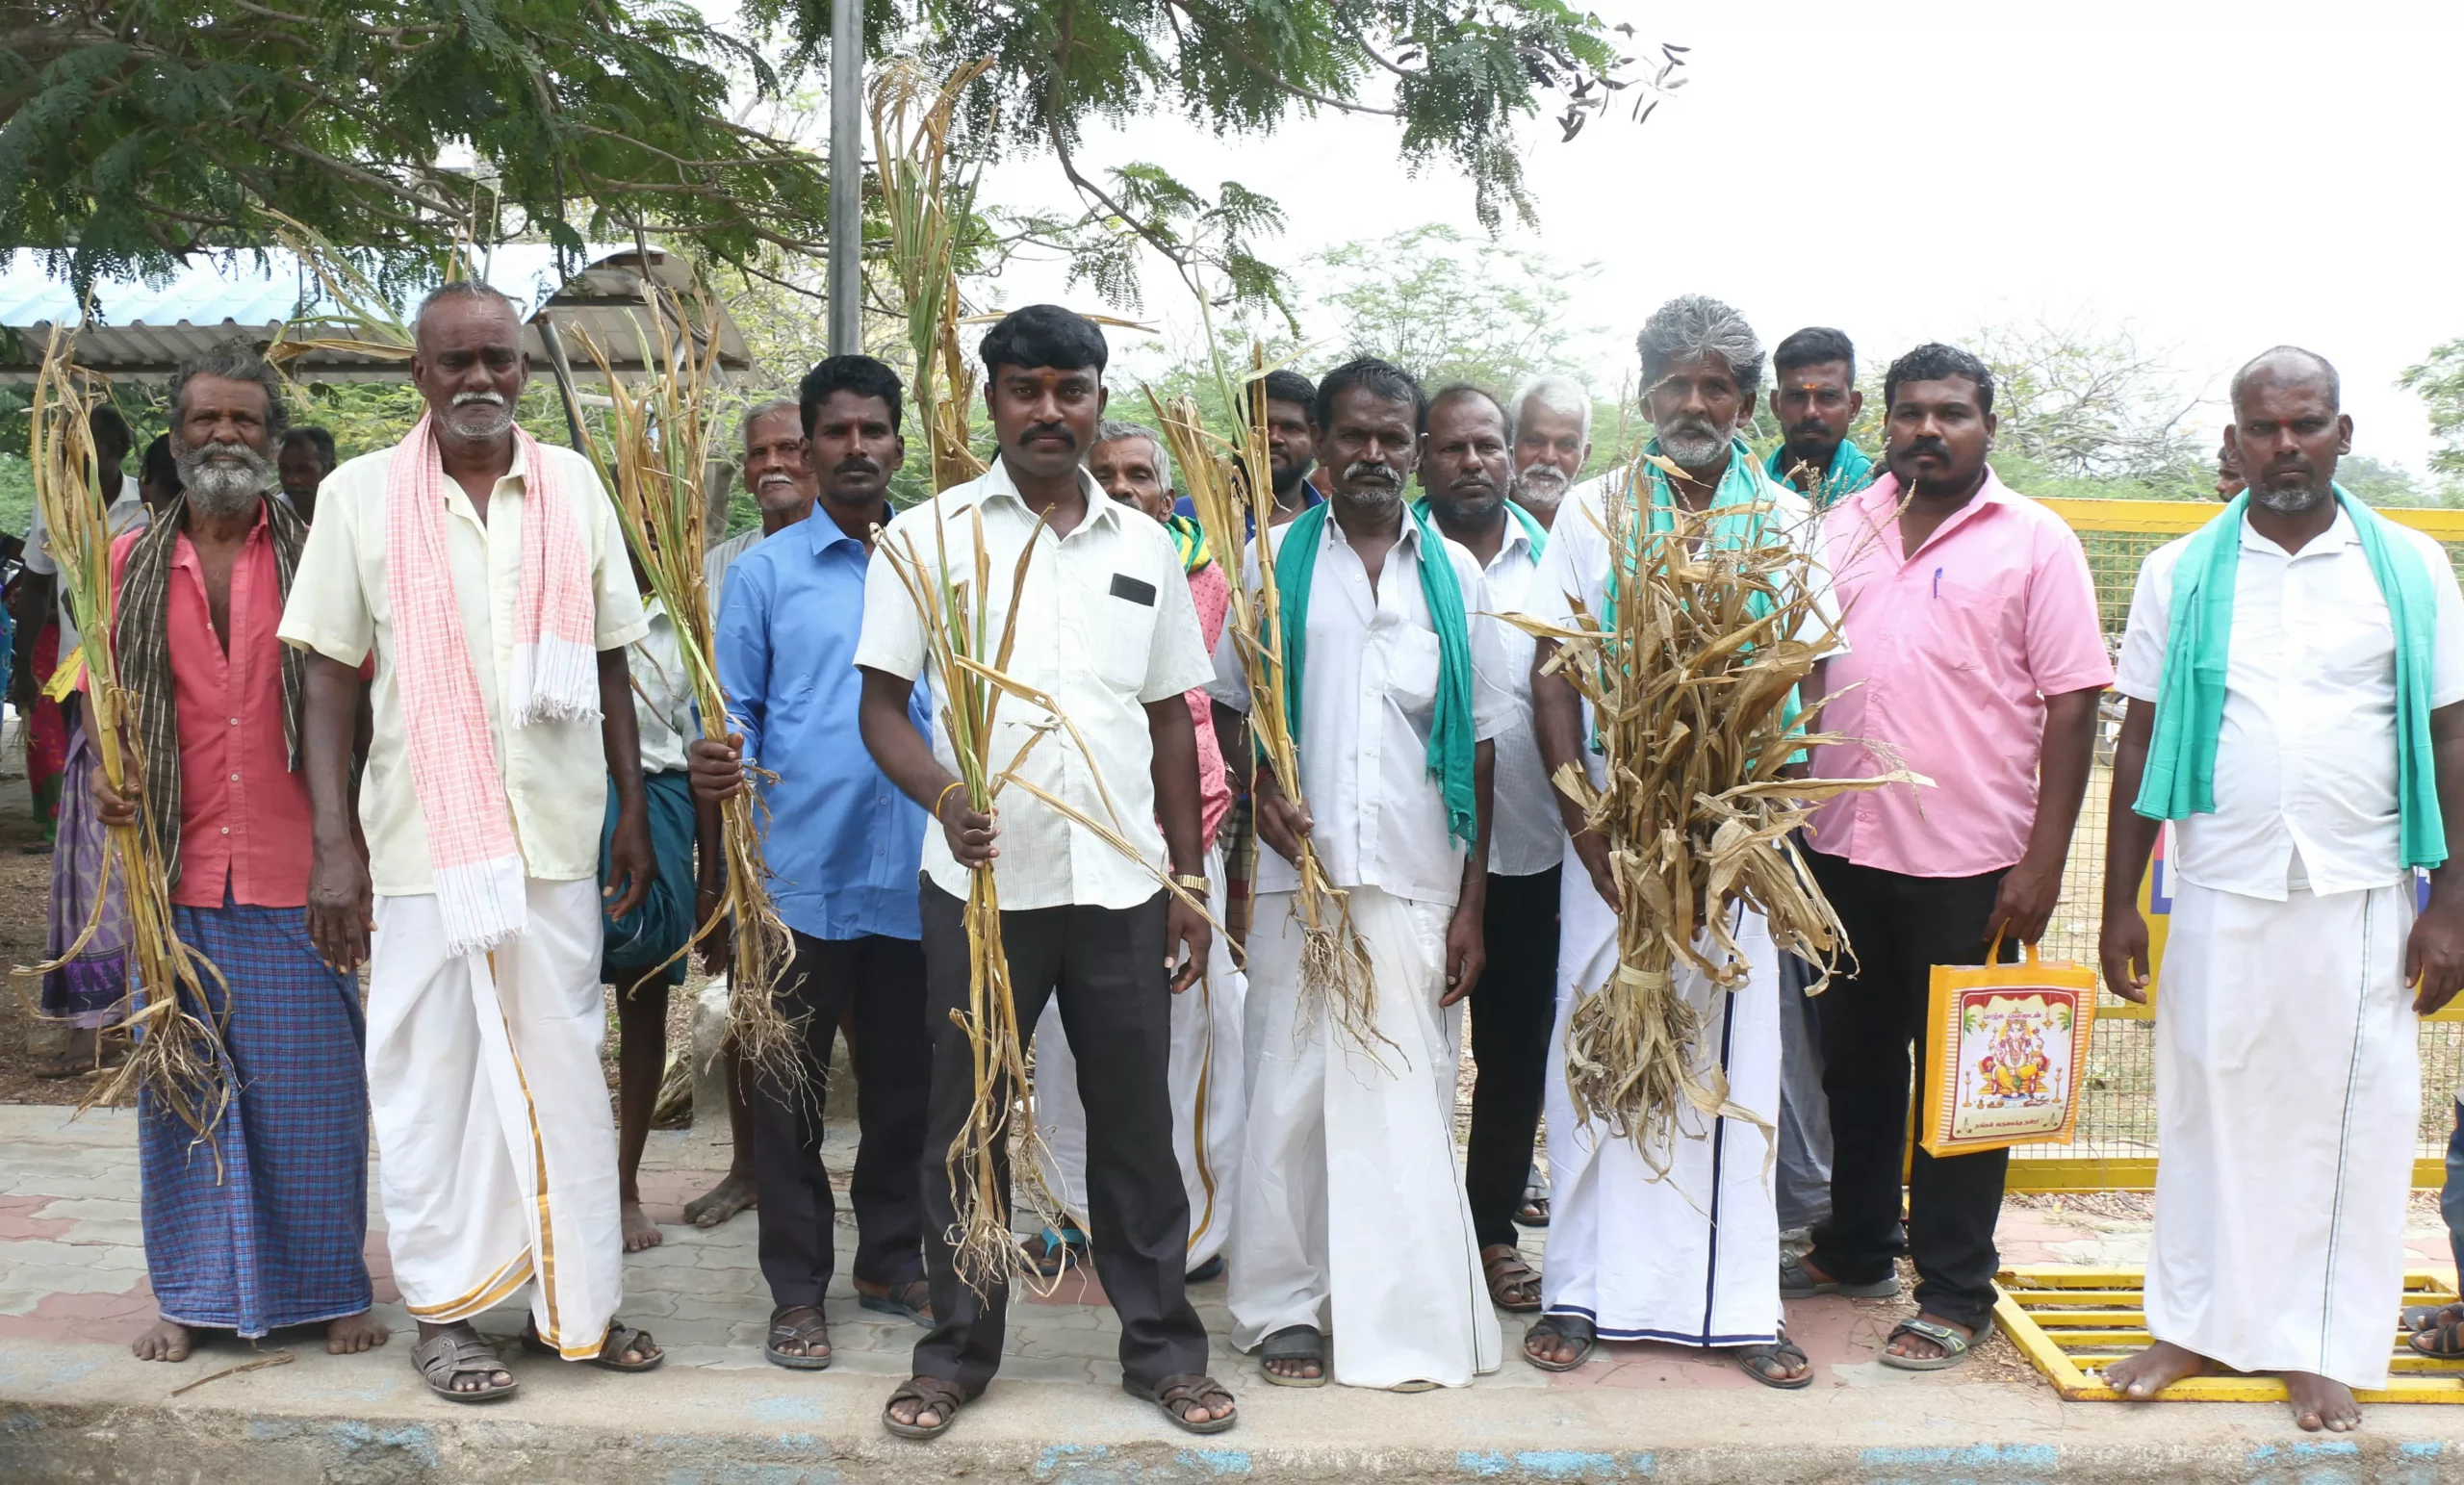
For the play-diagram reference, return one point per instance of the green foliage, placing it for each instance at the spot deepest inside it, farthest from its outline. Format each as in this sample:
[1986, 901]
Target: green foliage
[141, 129]
[2439, 382]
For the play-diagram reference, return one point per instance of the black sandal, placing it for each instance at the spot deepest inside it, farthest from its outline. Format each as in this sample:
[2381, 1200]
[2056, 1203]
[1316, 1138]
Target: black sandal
[1294, 1343]
[937, 1394]
[912, 1300]
[1563, 1327]
[621, 1338]
[1174, 1394]
[2440, 1335]
[783, 1327]
[452, 1354]
[1770, 1363]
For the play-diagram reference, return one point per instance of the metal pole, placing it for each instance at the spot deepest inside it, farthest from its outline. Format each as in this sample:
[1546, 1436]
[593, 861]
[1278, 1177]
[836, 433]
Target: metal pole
[846, 176]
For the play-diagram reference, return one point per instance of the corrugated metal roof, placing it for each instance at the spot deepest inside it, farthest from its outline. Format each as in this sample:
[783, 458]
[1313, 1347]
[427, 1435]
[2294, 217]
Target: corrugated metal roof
[142, 331]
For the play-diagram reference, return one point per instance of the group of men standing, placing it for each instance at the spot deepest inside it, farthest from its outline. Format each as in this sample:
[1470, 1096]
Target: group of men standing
[380, 740]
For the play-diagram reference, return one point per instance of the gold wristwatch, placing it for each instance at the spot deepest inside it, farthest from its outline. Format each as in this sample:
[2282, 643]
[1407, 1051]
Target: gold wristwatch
[1195, 886]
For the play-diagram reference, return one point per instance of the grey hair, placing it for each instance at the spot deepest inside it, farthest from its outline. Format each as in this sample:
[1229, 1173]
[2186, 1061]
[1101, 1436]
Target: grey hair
[231, 361]
[1696, 324]
[1560, 395]
[2267, 360]
[460, 289]
[761, 410]
[1114, 430]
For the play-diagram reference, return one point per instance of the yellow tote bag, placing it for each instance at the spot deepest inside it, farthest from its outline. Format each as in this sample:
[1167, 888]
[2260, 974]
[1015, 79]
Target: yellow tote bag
[2010, 1046]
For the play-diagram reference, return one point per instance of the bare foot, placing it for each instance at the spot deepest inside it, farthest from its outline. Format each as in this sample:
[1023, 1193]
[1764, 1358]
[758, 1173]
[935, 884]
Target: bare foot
[2318, 1403]
[163, 1341]
[1917, 1348]
[640, 1232]
[731, 1196]
[356, 1333]
[2142, 1376]
[915, 1411]
[1554, 1346]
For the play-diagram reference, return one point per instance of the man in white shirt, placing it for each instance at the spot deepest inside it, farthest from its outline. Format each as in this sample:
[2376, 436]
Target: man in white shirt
[2293, 670]
[1105, 627]
[1356, 1223]
[1550, 425]
[779, 476]
[1465, 467]
[1679, 1245]
[486, 572]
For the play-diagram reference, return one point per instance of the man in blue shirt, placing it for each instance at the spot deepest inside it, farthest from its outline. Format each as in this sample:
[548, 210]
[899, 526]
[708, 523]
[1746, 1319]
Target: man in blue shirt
[842, 846]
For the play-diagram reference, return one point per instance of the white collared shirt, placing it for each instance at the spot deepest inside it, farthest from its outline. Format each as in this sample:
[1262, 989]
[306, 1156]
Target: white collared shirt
[2305, 762]
[128, 512]
[662, 691]
[1105, 627]
[1367, 697]
[555, 773]
[1527, 833]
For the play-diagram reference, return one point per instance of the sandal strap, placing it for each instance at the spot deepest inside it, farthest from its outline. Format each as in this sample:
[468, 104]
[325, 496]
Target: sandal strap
[456, 1355]
[1571, 1327]
[1294, 1343]
[1190, 1388]
[938, 1393]
[1952, 1342]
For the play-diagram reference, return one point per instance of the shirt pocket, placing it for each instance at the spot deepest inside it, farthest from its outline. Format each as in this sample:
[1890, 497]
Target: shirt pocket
[1411, 671]
[1966, 625]
[1120, 631]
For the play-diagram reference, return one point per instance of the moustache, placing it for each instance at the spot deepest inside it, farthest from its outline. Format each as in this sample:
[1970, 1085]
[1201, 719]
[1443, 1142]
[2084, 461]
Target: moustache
[463, 398]
[1370, 471]
[1059, 430]
[1809, 428]
[849, 467]
[1925, 446]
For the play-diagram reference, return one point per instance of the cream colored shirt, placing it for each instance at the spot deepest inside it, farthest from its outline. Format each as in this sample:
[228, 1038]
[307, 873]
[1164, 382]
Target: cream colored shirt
[1105, 627]
[662, 692]
[555, 773]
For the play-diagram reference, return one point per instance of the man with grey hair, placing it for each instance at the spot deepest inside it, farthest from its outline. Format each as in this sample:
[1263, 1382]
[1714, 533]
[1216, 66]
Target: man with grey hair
[2295, 675]
[1551, 439]
[777, 473]
[271, 1233]
[1679, 1243]
[484, 572]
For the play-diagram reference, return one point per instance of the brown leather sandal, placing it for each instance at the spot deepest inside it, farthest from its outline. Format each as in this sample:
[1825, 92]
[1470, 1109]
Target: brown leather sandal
[937, 1393]
[1514, 1286]
[456, 1353]
[1177, 1395]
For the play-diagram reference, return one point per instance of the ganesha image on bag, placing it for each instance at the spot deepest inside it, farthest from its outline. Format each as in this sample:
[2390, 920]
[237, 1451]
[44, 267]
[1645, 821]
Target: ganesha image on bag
[2014, 1063]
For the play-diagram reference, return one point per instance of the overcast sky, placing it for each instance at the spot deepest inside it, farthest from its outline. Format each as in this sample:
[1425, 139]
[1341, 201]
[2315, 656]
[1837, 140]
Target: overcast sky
[2240, 175]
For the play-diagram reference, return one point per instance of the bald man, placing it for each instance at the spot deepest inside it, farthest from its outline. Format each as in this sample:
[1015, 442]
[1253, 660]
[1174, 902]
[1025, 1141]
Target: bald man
[2295, 669]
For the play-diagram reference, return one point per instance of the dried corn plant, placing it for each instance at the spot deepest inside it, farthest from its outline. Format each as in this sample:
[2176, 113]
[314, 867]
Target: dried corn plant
[1689, 680]
[652, 448]
[1227, 480]
[926, 204]
[179, 1062]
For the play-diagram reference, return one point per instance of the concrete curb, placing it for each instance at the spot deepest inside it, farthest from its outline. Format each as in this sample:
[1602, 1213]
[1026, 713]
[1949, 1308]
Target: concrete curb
[85, 1412]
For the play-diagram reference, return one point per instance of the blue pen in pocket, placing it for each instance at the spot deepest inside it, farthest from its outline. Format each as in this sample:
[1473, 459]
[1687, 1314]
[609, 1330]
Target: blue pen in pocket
[1938, 582]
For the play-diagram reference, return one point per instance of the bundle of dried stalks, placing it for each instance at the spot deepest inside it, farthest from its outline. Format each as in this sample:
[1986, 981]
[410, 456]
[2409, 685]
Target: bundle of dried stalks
[651, 454]
[179, 1060]
[1688, 682]
[1228, 479]
[927, 204]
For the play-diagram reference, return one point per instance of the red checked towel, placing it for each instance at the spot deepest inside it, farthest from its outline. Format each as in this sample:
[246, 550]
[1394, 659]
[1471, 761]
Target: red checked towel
[472, 850]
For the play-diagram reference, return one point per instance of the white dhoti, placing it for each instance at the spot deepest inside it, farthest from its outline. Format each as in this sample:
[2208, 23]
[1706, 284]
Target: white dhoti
[1352, 1216]
[1691, 1257]
[2286, 1095]
[1207, 1096]
[497, 1157]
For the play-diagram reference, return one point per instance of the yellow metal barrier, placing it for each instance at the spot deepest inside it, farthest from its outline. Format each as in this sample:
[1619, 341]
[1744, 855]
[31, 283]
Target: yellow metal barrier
[2114, 1145]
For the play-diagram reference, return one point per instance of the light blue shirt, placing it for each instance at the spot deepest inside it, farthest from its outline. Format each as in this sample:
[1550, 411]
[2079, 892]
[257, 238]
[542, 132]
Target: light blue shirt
[843, 844]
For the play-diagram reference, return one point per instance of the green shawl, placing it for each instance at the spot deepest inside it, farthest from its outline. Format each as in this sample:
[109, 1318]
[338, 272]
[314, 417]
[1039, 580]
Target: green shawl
[1532, 530]
[2180, 778]
[1449, 735]
[1850, 472]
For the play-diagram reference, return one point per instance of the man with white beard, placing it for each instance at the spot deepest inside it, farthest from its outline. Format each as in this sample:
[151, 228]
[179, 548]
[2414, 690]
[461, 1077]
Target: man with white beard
[267, 1230]
[779, 477]
[1550, 418]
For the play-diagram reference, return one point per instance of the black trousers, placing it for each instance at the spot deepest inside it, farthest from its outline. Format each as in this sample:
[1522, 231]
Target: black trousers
[1899, 928]
[1514, 1008]
[881, 982]
[1107, 967]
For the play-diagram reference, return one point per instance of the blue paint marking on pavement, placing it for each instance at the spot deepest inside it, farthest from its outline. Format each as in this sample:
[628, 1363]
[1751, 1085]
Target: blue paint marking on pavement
[1055, 1457]
[1548, 1465]
[2420, 1448]
[72, 1371]
[352, 1437]
[785, 1410]
[1216, 1462]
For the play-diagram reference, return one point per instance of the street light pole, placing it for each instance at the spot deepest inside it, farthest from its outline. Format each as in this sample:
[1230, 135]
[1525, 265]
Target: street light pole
[846, 176]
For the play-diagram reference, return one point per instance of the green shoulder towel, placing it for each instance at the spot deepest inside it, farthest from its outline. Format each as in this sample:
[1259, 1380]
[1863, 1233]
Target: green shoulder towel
[1532, 530]
[1449, 734]
[2180, 778]
[1850, 472]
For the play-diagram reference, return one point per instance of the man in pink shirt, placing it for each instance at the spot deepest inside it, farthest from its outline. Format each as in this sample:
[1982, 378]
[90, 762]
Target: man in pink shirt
[1974, 653]
[266, 1230]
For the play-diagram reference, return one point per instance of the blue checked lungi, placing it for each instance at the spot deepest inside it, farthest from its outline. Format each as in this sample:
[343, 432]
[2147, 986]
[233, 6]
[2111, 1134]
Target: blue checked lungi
[278, 1238]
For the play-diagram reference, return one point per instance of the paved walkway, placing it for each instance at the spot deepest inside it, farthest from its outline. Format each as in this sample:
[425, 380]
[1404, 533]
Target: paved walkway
[74, 1293]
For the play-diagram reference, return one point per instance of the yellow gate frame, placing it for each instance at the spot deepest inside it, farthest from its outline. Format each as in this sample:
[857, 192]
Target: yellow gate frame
[2180, 518]
[2070, 1321]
